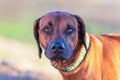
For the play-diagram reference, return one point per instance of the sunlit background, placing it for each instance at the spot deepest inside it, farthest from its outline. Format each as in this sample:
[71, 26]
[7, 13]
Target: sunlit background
[17, 45]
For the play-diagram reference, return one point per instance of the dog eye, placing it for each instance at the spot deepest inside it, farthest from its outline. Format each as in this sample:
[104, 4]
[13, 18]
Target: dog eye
[47, 30]
[69, 30]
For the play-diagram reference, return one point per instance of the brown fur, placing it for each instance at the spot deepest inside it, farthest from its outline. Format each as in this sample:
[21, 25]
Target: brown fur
[102, 62]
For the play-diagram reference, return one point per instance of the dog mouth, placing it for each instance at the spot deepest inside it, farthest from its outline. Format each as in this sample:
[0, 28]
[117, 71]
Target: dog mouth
[57, 58]
[58, 55]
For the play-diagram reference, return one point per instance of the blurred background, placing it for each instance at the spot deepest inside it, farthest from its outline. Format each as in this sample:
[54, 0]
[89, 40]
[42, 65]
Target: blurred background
[18, 50]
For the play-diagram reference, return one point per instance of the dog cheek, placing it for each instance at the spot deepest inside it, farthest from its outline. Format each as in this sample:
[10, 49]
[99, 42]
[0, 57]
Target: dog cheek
[47, 54]
[74, 41]
[43, 41]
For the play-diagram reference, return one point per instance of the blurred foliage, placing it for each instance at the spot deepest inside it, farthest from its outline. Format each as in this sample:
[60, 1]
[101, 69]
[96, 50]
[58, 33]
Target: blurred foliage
[95, 28]
[17, 16]
[16, 30]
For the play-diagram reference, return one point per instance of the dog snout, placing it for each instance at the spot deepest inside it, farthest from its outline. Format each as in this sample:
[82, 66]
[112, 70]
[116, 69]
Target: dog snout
[57, 46]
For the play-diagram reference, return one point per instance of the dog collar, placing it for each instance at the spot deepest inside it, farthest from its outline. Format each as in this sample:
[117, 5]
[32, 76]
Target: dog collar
[80, 58]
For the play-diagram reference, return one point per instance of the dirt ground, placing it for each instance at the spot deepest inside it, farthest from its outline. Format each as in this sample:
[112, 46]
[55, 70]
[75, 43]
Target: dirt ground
[10, 72]
[20, 61]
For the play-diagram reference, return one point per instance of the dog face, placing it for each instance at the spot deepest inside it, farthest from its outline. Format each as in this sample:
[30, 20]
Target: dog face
[59, 33]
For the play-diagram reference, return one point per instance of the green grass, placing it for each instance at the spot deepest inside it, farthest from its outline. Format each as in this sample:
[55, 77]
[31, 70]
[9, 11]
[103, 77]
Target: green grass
[19, 30]
[100, 29]
[94, 29]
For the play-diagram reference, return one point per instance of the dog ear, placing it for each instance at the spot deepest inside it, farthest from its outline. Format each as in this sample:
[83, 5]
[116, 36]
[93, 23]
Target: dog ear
[36, 35]
[81, 30]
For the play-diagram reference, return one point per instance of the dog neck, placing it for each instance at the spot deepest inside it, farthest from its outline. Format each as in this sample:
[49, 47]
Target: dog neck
[78, 61]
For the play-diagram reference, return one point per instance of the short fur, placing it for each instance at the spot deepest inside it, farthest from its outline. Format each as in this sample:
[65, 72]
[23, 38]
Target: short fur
[102, 61]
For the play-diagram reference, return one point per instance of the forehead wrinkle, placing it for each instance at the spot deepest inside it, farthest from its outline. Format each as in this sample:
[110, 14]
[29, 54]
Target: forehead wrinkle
[59, 20]
[58, 15]
[54, 20]
[45, 20]
[68, 20]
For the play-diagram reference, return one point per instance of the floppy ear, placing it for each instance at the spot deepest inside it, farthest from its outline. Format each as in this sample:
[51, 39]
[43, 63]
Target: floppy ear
[81, 30]
[36, 35]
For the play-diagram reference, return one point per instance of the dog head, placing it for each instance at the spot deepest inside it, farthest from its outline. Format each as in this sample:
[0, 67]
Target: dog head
[59, 33]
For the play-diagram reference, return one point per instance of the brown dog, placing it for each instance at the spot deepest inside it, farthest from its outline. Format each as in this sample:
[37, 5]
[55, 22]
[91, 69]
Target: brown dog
[76, 54]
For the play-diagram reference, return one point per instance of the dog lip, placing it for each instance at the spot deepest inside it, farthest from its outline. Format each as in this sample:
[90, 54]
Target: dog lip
[57, 58]
[57, 53]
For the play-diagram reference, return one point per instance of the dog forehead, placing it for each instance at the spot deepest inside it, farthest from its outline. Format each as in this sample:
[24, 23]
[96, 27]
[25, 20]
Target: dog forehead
[56, 17]
[58, 13]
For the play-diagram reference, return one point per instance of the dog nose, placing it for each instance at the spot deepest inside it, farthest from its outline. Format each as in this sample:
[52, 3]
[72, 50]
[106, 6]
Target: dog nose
[57, 46]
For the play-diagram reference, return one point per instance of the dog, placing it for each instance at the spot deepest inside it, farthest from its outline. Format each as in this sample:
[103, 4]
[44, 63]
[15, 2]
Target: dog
[75, 53]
